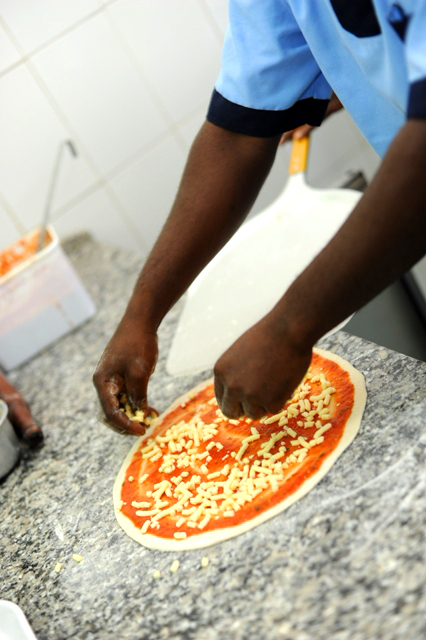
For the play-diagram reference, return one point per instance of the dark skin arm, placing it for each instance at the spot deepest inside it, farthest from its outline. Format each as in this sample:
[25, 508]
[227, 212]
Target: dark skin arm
[222, 178]
[383, 237]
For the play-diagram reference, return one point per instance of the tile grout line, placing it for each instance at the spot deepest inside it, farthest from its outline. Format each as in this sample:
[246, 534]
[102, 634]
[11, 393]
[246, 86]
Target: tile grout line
[123, 215]
[113, 173]
[101, 181]
[12, 67]
[14, 218]
[80, 145]
[132, 57]
[212, 21]
[128, 51]
[137, 155]
[25, 57]
[82, 195]
[112, 196]
[125, 164]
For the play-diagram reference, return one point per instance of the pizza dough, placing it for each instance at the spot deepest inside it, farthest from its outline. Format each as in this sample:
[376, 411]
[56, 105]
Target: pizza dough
[197, 478]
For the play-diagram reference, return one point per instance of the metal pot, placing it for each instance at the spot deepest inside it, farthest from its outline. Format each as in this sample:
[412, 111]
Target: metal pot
[9, 446]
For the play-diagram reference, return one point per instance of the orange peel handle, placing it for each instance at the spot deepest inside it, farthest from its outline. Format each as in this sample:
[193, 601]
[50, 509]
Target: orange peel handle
[299, 156]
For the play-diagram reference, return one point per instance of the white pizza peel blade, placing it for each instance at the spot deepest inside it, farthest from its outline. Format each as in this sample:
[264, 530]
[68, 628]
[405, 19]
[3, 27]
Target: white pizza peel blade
[255, 268]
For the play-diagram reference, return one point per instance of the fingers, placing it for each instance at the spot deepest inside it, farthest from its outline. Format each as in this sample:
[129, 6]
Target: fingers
[138, 371]
[259, 372]
[237, 400]
[297, 134]
[136, 380]
[333, 106]
[235, 404]
[302, 132]
[120, 423]
[286, 137]
[218, 390]
[111, 415]
[231, 406]
[228, 403]
[253, 410]
[153, 412]
[125, 367]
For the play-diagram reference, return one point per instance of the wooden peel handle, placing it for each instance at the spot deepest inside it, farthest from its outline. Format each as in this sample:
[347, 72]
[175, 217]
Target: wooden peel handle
[19, 414]
[299, 155]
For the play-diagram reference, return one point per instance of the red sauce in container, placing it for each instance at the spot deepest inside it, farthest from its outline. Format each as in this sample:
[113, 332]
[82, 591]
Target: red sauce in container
[20, 251]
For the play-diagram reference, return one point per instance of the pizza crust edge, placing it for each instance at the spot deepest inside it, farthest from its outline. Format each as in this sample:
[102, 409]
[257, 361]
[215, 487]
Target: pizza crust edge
[209, 538]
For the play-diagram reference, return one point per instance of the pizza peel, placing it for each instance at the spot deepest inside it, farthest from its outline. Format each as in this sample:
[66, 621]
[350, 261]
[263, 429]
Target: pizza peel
[255, 268]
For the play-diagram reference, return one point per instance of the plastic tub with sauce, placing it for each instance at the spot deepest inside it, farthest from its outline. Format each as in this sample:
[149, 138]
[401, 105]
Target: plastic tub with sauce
[41, 298]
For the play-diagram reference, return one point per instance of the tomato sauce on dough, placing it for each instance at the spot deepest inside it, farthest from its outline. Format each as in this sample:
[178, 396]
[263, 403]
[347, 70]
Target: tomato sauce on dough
[228, 441]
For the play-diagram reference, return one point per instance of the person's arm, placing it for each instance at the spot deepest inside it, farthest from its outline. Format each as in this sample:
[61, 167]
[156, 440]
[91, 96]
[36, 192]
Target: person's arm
[383, 237]
[222, 178]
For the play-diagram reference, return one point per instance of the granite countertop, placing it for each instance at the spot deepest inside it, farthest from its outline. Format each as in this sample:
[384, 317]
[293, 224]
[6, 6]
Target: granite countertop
[346, 562]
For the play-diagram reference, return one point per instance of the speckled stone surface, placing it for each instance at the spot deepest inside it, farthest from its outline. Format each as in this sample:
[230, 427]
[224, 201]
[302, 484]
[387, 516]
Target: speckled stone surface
[346, 562]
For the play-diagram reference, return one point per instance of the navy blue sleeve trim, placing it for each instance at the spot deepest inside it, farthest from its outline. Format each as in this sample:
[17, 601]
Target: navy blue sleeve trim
[262, 123]
[417, 100]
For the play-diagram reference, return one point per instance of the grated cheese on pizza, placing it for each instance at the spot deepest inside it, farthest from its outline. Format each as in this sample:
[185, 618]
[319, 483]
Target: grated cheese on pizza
[198, 471]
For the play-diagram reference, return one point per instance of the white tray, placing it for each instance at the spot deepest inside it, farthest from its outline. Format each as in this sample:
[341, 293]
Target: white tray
[13, 623]
[251, 273]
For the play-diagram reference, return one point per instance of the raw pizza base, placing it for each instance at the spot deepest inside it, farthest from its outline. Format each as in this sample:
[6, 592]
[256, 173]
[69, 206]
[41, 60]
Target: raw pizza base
[208, 538]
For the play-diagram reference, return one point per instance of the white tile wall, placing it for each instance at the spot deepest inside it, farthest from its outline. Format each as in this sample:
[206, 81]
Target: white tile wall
[275, 182]
[336, 148]
[370, 159]
[129, 81]
[177, 48]
[147, 188]
[100, 92]
[30, 132]
[8, 52]
[219, 11]
[9, 232]
[86, 216]
[189, 127]
[356, 159]
[35, 23]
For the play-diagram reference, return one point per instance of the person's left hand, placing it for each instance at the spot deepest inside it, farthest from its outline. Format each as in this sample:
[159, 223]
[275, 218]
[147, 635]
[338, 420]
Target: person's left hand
[260, 371]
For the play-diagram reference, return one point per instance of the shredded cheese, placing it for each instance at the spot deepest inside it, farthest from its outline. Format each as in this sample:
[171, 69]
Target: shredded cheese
[187, 448]
[180, 535]
[175, 566]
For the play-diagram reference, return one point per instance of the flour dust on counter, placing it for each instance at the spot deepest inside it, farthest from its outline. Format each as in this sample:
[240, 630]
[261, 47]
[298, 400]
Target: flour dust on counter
[198, 478]
[347, 561]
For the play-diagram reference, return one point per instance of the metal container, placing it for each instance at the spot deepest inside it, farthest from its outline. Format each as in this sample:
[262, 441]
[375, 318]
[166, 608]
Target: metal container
[9, 446]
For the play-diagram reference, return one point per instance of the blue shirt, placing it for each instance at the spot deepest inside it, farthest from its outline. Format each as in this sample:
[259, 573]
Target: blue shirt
[282, 59]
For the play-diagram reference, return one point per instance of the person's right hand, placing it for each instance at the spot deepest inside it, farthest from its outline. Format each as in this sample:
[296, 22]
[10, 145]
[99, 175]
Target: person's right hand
[125, 366]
